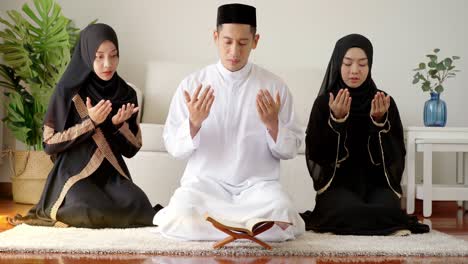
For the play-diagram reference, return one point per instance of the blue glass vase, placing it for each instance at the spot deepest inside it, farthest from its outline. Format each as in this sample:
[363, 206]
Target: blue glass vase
[435, 111]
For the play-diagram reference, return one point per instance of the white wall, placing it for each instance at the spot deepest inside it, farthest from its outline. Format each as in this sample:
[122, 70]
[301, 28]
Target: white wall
[296, 34]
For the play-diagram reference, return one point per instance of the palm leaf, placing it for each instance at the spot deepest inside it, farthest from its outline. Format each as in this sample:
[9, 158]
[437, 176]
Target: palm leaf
[31, 14]
[36, 47]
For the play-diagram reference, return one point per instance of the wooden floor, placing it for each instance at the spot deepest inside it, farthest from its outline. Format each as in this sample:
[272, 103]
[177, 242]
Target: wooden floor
[446, 217]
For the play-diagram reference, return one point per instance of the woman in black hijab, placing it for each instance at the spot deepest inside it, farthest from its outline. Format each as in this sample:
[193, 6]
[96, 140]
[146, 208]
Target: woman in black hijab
[91, 122]
[355, 150]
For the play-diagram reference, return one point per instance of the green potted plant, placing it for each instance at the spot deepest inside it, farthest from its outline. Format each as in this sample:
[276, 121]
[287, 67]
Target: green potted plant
[36, 49]
[431, 77]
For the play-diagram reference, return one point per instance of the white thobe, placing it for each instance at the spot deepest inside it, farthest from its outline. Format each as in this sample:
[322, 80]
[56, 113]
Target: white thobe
[233, 164]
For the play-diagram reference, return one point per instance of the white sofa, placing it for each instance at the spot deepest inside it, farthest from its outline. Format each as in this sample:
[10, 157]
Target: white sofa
[158, 173]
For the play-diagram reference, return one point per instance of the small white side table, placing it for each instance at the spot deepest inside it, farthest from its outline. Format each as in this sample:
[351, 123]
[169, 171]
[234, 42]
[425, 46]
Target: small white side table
[429, 140]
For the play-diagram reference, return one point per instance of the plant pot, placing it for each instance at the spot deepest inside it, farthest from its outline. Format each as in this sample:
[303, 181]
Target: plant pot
[435, 111]
[31, 169]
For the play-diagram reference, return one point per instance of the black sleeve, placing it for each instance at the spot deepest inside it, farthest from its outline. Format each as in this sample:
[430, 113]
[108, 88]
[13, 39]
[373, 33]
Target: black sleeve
[126, 138]
[325, 143]
[55, 142]
[387, 147]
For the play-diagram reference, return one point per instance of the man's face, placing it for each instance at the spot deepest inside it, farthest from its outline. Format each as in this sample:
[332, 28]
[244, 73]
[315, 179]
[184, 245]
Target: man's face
[234, 42]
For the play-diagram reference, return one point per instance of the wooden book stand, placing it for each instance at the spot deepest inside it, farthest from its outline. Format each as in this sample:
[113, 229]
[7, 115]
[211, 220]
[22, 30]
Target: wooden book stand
[234, 235]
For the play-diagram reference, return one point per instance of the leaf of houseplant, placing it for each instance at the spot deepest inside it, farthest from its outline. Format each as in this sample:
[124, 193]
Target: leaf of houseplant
[416, 78]
[432, 64]
[426, 86]
[433, 72]
[432, 57]
[448, 62]
[440, 66]
[439, 89]
[36, 49]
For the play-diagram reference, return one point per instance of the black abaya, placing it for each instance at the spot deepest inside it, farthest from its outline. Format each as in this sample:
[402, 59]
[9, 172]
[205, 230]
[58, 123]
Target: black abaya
[90, 185]
[356, 164]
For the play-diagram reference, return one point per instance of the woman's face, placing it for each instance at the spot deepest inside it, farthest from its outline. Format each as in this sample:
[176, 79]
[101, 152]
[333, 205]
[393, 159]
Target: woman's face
[355, 67]
[106, 60]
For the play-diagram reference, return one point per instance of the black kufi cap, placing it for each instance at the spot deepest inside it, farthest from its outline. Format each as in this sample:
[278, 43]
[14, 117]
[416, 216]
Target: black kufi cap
[236, 14]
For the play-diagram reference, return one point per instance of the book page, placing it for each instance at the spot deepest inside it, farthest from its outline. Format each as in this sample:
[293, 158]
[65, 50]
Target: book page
[255, 223]
[250, 226]
[230, 224]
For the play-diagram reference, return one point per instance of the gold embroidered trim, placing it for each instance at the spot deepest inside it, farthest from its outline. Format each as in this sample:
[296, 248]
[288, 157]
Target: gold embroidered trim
[324, 188]
[383, 159]
[138, 135]
[369, 151]
[347, 151]
[60, 224]
[102, 144]
[50, 137]
[91, 167]
[80, 106]
[379, 124]
[127, 133]
[341, 120]
[98, 137]
[369, 139]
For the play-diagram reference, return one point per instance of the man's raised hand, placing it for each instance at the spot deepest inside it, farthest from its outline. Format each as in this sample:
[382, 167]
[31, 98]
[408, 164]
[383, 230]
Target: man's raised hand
[199, 106]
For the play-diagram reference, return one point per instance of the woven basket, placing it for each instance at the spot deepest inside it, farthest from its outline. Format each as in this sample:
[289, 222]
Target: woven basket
[30, 173]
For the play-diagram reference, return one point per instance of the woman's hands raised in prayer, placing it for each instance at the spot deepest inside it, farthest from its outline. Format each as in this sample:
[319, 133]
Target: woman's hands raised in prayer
[380, 105]
[124, 113]
[99, 112]
[340, 105]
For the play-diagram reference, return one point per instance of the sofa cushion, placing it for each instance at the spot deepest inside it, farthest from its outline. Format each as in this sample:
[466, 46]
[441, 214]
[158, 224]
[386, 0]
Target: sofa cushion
[152, 137]
[304, 84]
[153, 140]
[162, 80]
[157, 174]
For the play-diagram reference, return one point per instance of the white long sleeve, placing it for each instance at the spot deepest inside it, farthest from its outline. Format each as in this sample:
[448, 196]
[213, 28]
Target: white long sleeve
[177, 137]
[289, 136]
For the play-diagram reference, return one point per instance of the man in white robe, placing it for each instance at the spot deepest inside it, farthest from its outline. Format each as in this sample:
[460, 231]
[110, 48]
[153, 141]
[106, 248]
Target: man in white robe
[225, 121]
